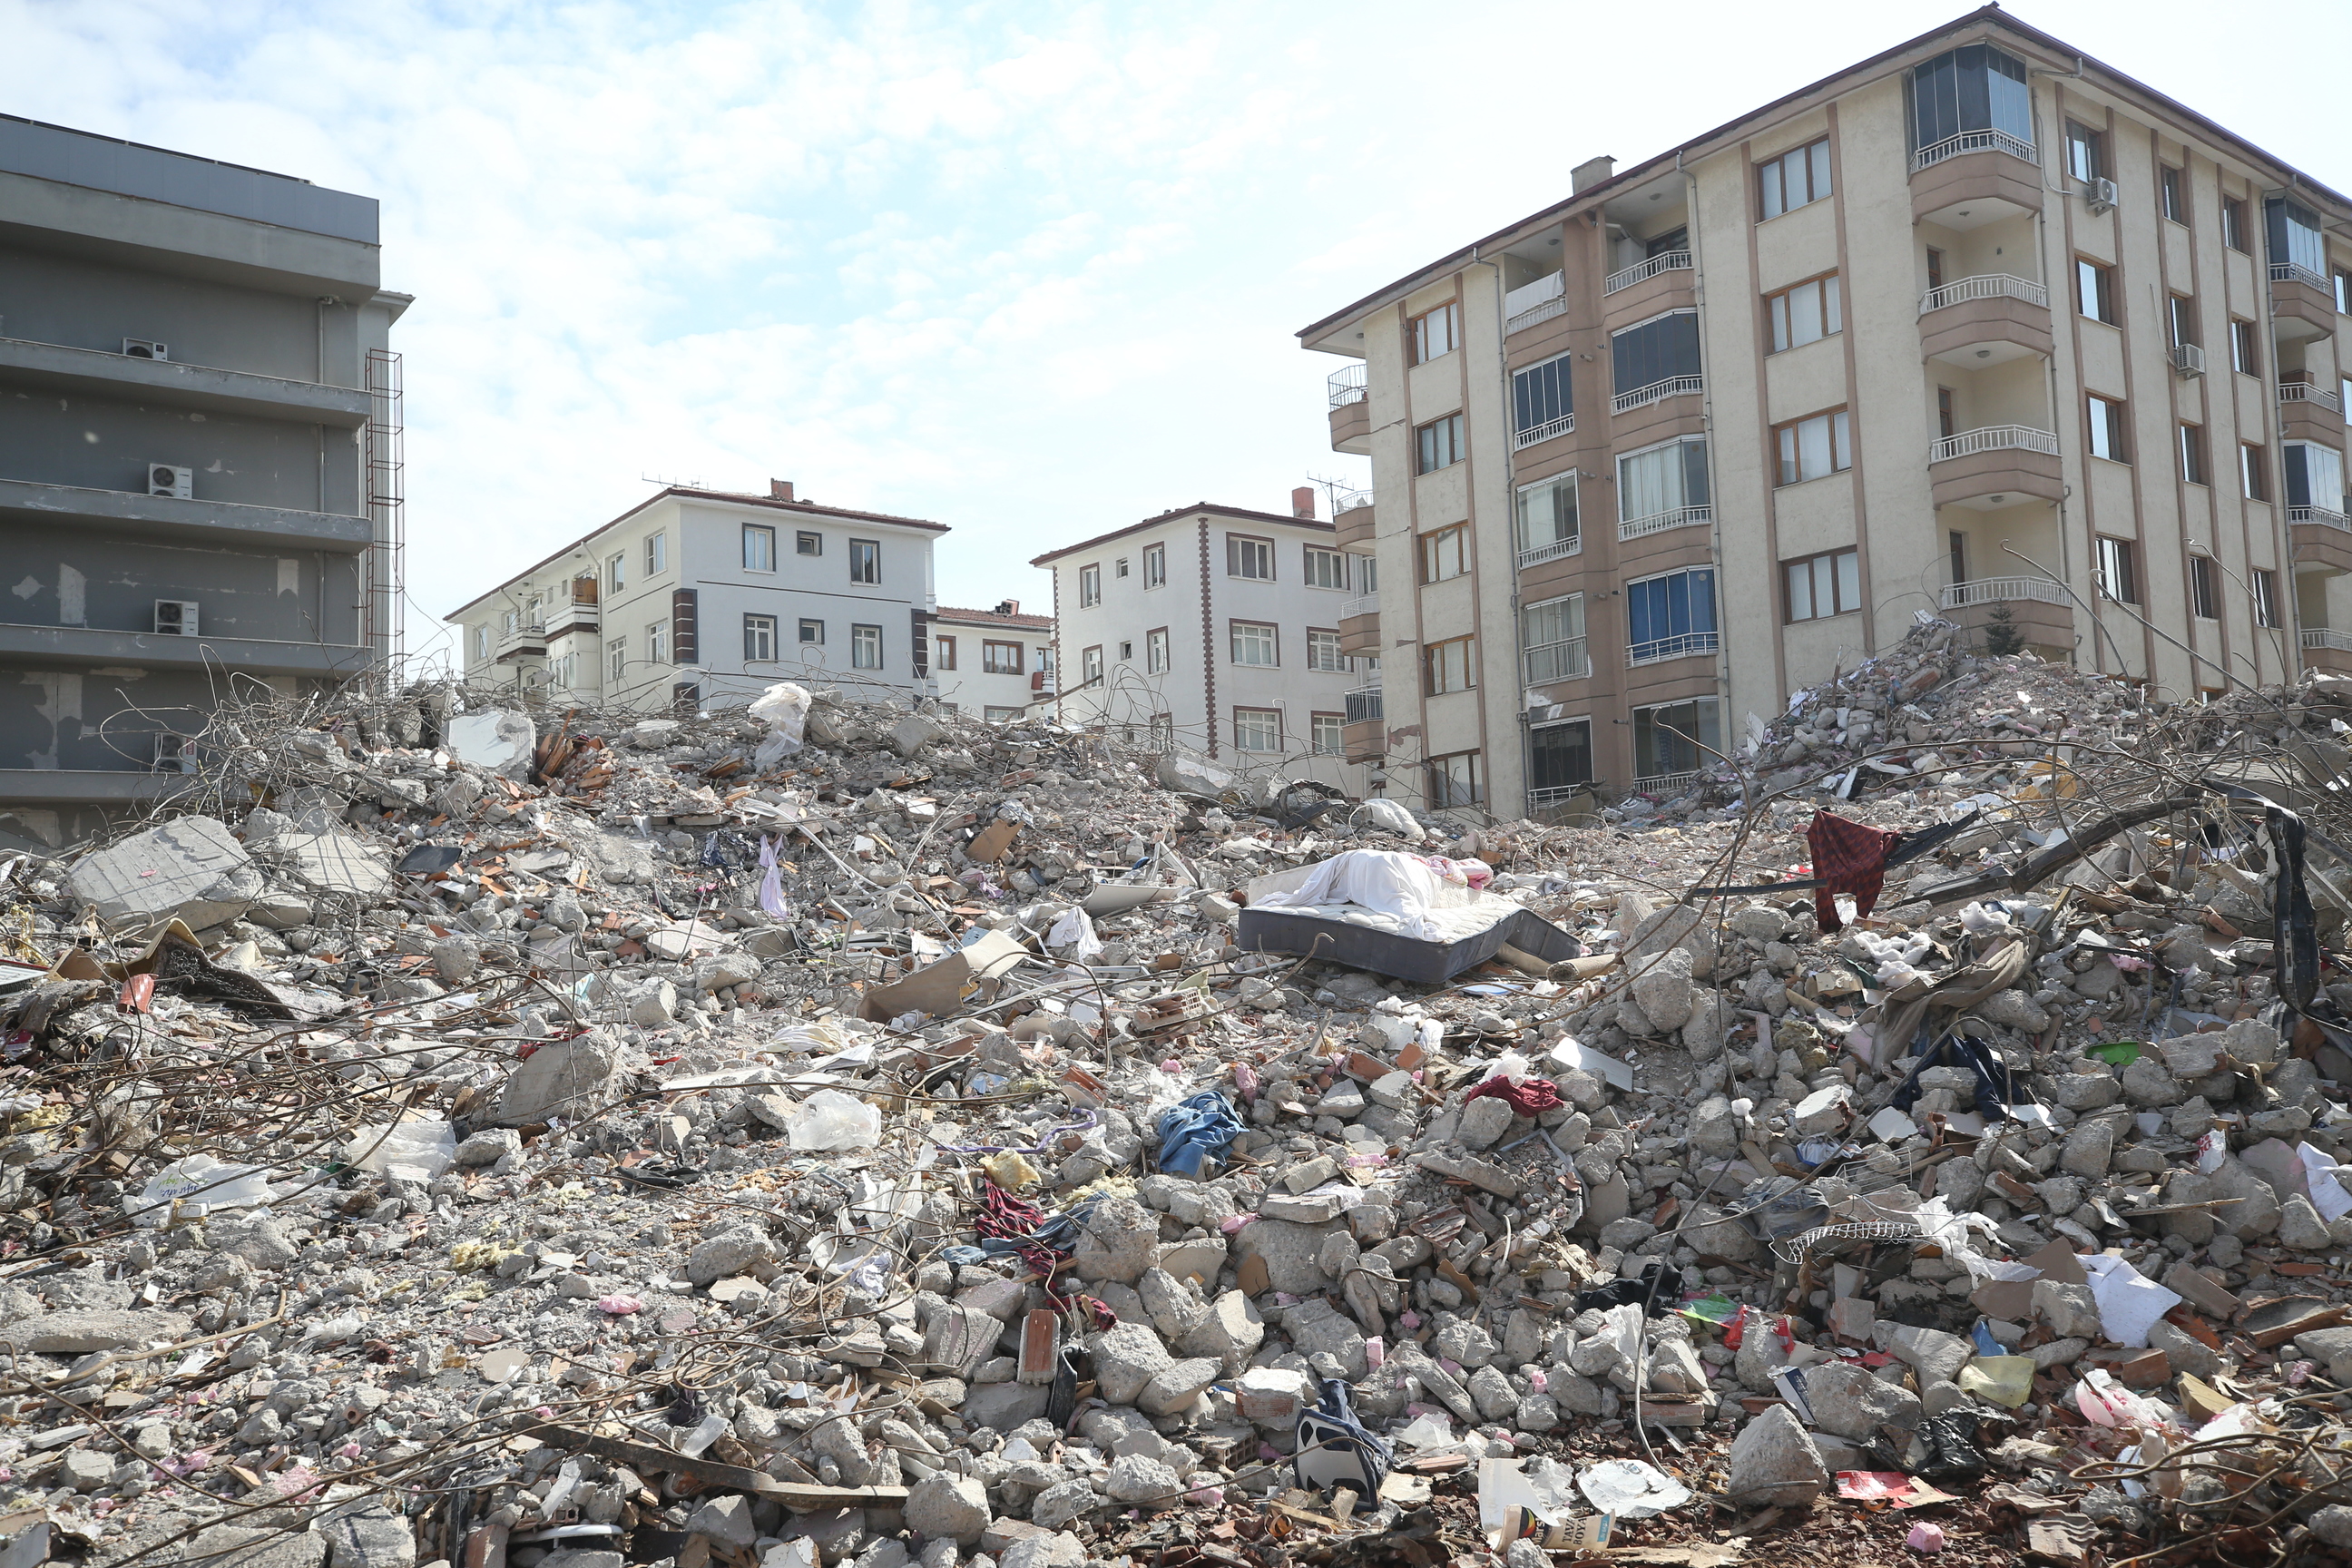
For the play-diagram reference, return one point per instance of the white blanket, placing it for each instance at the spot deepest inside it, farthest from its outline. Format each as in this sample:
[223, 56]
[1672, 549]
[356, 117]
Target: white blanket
[1398, 885]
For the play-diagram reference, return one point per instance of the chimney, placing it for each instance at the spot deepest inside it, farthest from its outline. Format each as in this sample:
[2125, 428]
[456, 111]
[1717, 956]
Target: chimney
[779, 490]
[1008, 606]
[1302, 502]
[1592, 172]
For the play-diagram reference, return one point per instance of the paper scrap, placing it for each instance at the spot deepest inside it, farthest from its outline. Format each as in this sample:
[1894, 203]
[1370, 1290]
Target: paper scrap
[2130, 1302]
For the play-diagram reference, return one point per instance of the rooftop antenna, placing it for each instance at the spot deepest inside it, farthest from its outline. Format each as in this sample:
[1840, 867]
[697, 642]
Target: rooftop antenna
[672, 484]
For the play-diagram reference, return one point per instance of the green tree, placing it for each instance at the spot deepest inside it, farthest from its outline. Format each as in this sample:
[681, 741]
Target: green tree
[2001, 636]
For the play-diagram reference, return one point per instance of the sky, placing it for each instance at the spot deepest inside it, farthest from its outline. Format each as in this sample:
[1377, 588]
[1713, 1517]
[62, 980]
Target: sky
[1031, 270]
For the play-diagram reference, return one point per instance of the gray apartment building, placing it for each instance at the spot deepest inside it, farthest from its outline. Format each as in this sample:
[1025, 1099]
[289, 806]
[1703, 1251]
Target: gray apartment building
[199, 460]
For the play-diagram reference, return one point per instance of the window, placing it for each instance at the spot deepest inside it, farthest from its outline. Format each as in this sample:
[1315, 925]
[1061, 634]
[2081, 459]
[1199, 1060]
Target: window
[1325, 568]
[1323, 734]
[2233, 222]
[1119, 568]
[2086, 152]
[943, 653]
[1663, 482]
[2343, 292]
[1368, 575]
[758, 548]
[1974, 88]
[1947, 422]
[1559, 756]
[2094, 291]
[1816, 447]
[1670, 615]
[1820, 586]
[1090, 663]
[2180, 316]
[1956, 548]
[1934, 267]
[1438, 444]
[1454, 781]
[1257, 730]
[2204, 593]
[657, 552]
[2192, 454]
[1547, 516]
[616, 656]
[2315, 476]
[1155, 567]
[866, 562]
[2107, 433]
[1253, 643]
[1805, 314]
[1446, 552]
[2295, 239]
[2172, 187]
[2243, 357]
[481, 642]
[1000, 658]
[1446, 666]
[1542, 404]
[1250, 558]
[1793, 179]
[811, 631]
[1669, 738]
[1323, 652]
[759, 640]
[2119, 569]
[1155, 651]
[1089, 587]
[2266, 597]
[1436, 334]
[1552, 639]
[808, 541]
[616, 572]
[658, 643]
[2254, 471]
[1126, 653]
[865, 647]
[1661, 349]
[994, 714]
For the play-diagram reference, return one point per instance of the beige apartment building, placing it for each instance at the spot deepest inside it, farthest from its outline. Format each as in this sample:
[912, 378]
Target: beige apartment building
[1978, 328]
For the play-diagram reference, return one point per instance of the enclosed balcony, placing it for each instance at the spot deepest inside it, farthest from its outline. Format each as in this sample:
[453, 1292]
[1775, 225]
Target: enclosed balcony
[1532, 304]
[1359, 626]
[1351, 520]
[1351, 411]
[1996, 465]
[2327, 651]
[1983, 321]
[2040, 611]
[2303, 295]
[1547, 663]
[1973, 158]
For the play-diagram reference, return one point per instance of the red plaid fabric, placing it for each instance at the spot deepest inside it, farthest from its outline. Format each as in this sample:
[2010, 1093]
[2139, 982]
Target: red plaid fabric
[1004, 1217]
[1849, 858]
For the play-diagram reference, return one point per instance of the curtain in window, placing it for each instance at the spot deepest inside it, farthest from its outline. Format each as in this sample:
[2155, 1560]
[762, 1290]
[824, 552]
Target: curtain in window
[1557, 620]
[1662, 479]
[1547, 512]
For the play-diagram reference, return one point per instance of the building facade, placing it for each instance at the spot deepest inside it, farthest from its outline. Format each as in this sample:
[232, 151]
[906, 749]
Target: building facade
[1218, 631]
[1978, 328]
[704, 598]
[993, 664]
[199, 459]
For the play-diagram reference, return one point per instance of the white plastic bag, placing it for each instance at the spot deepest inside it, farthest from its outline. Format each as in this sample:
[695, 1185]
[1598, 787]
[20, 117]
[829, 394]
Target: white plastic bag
[418, 1151]
[1391, 818]
[783, 708]
[832, 1122]
[1076, 932]
[201, 1185]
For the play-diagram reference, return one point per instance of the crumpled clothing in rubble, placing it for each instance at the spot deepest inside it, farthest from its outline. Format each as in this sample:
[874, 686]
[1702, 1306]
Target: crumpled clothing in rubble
[1196, 1131]
[1849, 858]
[1010, 1225]
[1528, 1096]
[1995, 1083]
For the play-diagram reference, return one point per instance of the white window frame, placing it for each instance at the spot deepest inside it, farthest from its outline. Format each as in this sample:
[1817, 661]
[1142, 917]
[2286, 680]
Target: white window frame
[807, 542]
[617, 652]
[1249, 549]
[657, 552]
[759, 632]
[1260, 636]
[1155, 567]
[1260, 724]
[1090, 585]
[616, 570]
[1325, 733]
[806, 640]
[1155, 651]
[1317, 563]
[864, 645]
[865, 564]
[1323, 652]
[658, 643]
[766, 535]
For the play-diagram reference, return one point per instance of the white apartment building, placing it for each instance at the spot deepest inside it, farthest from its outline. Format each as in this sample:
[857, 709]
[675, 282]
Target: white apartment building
[706, 598]
[1218, 630]
[993, 664]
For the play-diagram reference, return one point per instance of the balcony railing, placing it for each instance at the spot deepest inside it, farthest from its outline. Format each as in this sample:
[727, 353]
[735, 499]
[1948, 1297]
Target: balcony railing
[1641, 271]
[1659, 521]
[1657, 392]
[2320, 515]
[2320, 636]
[1992, 590]
[1988, 285]
[1974, 141]
[1362, 604]
[2309, 391]
[523, 641]
[1562, 661]
[1993, 439]
[2296, 272]
[1663, 784]
[1346, 499]
[1659, 649]
[1528, 303]
[1347, 385]
[1365, 703]
[1538, 555]
[1552, 795]
[1545, 431]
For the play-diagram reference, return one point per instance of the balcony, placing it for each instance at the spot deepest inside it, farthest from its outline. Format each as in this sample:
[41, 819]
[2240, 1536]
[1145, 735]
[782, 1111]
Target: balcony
[2041, 611]
[1530, 304]
[1995, 465]
[1976, 177]
[95, 371]
[1552, 661]
[1551, 429]
[521, 643]
[2320, 539]
[1666, 787]
[1363, 737]
[1643, 270]
[1557, 550]
[1351, 411]
[1659, 521]
[1351, 520]
[2303, 303]
[1359, 626]
[1657, 392]
[2309, 411]
[2325, 650]
[1041, 682]
[565, 620]
[1985, 319]
[1659, 649]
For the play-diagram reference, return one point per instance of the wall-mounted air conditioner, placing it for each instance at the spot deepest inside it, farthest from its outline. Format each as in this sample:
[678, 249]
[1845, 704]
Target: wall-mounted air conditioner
[145, 348]
[163, 480]
[2189, 359]
[2101, 194]
[176, 617]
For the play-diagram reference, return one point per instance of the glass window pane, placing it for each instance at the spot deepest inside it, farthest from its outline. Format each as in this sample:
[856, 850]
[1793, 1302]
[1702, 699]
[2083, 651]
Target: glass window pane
[1813, 447]
[1774, 204]
[1800, 591]
[1804, 314]
[1833, 312]
[1849, 580]
[1821, 169]
[1842, 429]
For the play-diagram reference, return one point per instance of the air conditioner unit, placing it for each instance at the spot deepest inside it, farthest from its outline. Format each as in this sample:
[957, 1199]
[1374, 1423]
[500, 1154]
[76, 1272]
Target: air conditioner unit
[176, 617]
[174, 754]
[2189, 359]
[2101, 194]
[142, 348]
[163, 480]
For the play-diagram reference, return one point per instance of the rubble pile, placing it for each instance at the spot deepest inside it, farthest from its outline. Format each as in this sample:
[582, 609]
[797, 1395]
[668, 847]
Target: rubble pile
[832, 1132]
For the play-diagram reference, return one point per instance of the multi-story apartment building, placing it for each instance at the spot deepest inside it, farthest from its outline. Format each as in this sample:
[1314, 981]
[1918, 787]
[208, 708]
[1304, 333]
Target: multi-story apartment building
[698, 597]
[199, 459]
[1220, 631]
[993, 664]
[1979, 327]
